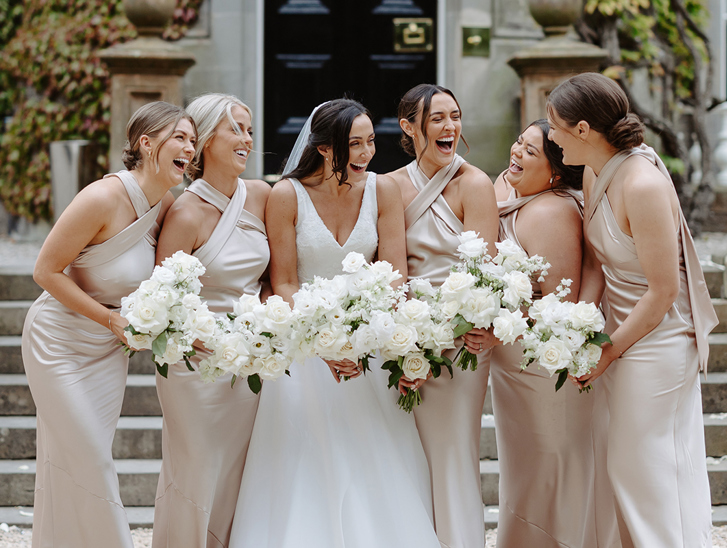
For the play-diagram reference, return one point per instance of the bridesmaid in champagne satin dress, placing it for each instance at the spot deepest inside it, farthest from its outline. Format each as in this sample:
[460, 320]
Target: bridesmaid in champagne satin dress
[99, 251]
[641, 259]
[207, 427]
[544, 441]
[443, 196]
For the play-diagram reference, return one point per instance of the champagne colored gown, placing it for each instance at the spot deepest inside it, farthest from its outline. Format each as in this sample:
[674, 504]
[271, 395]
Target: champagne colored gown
[449, 418]
[77, 371]
[333, 465]
[207, 427]
[545, 444]
[656, 453]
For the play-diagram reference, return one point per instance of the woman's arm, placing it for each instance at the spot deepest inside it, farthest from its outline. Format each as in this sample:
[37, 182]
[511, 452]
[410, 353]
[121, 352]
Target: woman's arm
[392, 234]
[281, 214]
[646, 198]
[479, 204]
[181, 228]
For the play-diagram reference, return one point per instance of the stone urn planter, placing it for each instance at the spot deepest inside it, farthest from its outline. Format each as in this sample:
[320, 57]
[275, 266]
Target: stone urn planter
[555, 16]
[149, 16]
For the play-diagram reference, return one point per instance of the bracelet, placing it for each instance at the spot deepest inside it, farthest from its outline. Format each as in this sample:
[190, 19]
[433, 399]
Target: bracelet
[620, 352]
[109, 320]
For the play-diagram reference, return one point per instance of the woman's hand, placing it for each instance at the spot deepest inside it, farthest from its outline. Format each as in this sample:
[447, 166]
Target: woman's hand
[609, 354]
[480, 340]
[405, 383]
[116, 325]
[344, 368]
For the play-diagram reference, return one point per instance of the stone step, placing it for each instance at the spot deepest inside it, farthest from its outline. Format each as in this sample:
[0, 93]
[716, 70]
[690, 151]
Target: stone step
[140, 398]
[135, 438]
[18, 286]
[22, 516]
[714, 276]
[720, 306]
[715, 436]
[137, 481]
[714, 392]
[12, 316]
[716, 468]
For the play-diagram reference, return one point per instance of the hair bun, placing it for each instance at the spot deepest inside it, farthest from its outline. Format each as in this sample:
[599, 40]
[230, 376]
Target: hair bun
[131, 158]
[627, 133]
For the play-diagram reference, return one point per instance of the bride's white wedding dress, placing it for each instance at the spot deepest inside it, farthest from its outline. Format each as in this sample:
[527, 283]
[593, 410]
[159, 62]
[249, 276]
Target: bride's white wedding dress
[333, 465]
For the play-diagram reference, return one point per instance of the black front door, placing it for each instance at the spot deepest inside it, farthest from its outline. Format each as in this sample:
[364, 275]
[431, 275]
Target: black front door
[369, 50]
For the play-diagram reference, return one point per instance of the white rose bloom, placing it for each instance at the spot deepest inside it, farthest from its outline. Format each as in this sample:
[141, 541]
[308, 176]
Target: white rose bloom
[138, 342]
[415, 366]
[414, 312]
[554, 355]
[305, 303]
[517, 288]
[338, 287]
[201, 325]
[364, 340]
[473, 248]
[491, 269]
[336, 316]
[353, 262]
[482, 308]
[537, 308]
[586, 315]
[272, 367]
[249, 366]
[508, 326]
[328, 341]
[260, 345]
[402, 341]
[508, 248]
[246, 303]
[163, 275]
[383, 325]
[149, 316]
[384, 272]
[174, 351]
[441, 337]
[208, 372]
[422, 286]
[574, 339]
[449, 309]
[190, 301]
[347, 352]
[589, 356]
[178, 314]
[457, 286]
[148, 287]
[325, 300]
[467, 236]
[360, 281]
[277, 315]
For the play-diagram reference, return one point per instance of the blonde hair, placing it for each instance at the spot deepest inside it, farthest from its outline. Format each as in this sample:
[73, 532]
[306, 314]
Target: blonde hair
[150, 120]
[208, 111]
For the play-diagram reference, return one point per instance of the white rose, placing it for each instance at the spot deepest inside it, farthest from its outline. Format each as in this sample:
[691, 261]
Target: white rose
[492, 269]
[414, 312]
[353, 262]
[305, 304]
[586, 315]
[190, 301]
[517, 288]
[421, 286]
[200, 325]
[346, 351]
[149, 316]
[178, 314]
[467, 236]
[147, 288]
[272, 367]
[441, 337]
[473, 248]
[482, 308]
[508, 248]
[508, 326]
[325, 300]
[163, 275]
[246, 303]
[574, 339]
[360, 281]
[402, 341]
[536, 309]
[554, 355]
[277, 315]
[249, 366]
[336, 316]
[383, 325]
[328, 341]
[338, 287]
[383, 272]
[259, 345]
[449, 309]
[415, 366]
[208, 372]
[174, 351]
[140, 341]
[457, 286]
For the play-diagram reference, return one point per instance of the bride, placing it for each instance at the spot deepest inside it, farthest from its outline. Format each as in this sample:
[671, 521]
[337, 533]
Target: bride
[333, 464]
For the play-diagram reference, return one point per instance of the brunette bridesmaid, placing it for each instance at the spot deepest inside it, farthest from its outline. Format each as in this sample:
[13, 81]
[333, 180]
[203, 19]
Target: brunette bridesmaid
[99, 251]
[544, 443]
[443, 196]
[641, 260]
[206, 431]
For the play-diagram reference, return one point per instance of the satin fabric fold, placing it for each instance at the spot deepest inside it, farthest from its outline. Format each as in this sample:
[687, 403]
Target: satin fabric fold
[655, 440]
[76, 371]
[548, 495]
[207, 427]
[449, 418]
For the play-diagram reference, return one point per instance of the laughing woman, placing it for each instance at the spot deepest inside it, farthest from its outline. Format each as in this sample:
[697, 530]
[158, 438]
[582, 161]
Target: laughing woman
[641, 260]
[443, 196]
[206, 431]
[99, 251]
[544, 445]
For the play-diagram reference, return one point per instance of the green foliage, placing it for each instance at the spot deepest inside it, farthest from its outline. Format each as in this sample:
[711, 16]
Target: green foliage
[53, 86]
[639, 24]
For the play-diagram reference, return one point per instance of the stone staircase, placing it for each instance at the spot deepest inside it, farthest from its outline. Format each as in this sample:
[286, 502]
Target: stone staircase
[137, 443]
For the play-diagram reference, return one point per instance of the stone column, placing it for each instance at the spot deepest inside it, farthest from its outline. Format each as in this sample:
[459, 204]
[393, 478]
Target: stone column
[556, 58]
[144, 70]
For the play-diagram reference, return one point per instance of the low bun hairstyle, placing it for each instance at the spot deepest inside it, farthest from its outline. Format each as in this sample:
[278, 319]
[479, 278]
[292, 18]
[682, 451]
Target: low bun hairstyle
[409, 108]
[330, 126]
[567, 176]
[600, 101]
[150, 120]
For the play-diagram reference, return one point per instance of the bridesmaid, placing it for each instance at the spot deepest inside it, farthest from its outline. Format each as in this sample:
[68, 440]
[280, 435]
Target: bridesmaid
[544, 445]
[99, 251]
[443, 196]
[641, 259]
[206, 431]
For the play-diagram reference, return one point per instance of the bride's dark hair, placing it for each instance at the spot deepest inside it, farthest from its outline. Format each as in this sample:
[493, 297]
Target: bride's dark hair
[330, 126]
[567, 176]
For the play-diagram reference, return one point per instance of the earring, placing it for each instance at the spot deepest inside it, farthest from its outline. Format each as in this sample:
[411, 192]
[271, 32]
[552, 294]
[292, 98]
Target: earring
[552, 179]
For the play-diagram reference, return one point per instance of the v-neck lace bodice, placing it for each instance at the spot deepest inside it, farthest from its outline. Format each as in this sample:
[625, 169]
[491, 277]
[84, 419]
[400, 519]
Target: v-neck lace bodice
[319, 253]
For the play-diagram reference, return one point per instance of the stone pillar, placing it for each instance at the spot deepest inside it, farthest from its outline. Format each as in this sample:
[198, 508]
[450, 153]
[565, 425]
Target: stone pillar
[144, 70]
[556, 58]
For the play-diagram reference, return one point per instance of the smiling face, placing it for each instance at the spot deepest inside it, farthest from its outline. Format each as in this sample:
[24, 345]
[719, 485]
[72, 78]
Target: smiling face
[443, 129]
[530, 171]
[173, 155]
[228, 149]
[566, 138]
[361, 147]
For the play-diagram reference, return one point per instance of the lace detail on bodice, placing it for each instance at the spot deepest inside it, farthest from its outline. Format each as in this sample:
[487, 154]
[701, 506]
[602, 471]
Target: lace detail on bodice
[319, 254]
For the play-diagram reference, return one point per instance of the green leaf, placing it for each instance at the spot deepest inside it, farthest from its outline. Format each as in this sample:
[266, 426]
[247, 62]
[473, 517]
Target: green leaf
[599, 338]
[562, 377]
[130, 329]
[461, 326]
[162, 369]
[255, 384]
[159, 346]
[232, 381]
[395, 376]
[186, 361]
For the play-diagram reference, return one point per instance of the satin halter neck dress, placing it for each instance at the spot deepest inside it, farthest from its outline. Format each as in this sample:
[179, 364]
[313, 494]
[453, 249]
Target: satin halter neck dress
[333, 465]
[207, 427]
[544, 443]
[449, 418]
[655, 441]
[77, 371]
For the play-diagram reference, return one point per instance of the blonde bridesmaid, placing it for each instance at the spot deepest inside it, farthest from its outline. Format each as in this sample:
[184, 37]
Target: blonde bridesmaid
[642, 263]
[206, 430]
[544, 442]
[99, 251]
[443, 196]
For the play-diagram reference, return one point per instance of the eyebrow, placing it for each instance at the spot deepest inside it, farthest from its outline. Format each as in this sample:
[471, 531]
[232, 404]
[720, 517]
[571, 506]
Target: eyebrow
[357, 137]
[440, 112]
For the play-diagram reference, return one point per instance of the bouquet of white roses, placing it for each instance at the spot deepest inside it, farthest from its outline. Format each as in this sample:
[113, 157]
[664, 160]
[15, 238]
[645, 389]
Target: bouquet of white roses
[254, 342]
[334, 316]
[482, 291]
[166, 315]
[564, 336]
[413, 336]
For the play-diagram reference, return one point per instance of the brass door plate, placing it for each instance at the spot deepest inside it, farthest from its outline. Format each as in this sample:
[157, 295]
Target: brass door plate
[475, 42]
[413, 34]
